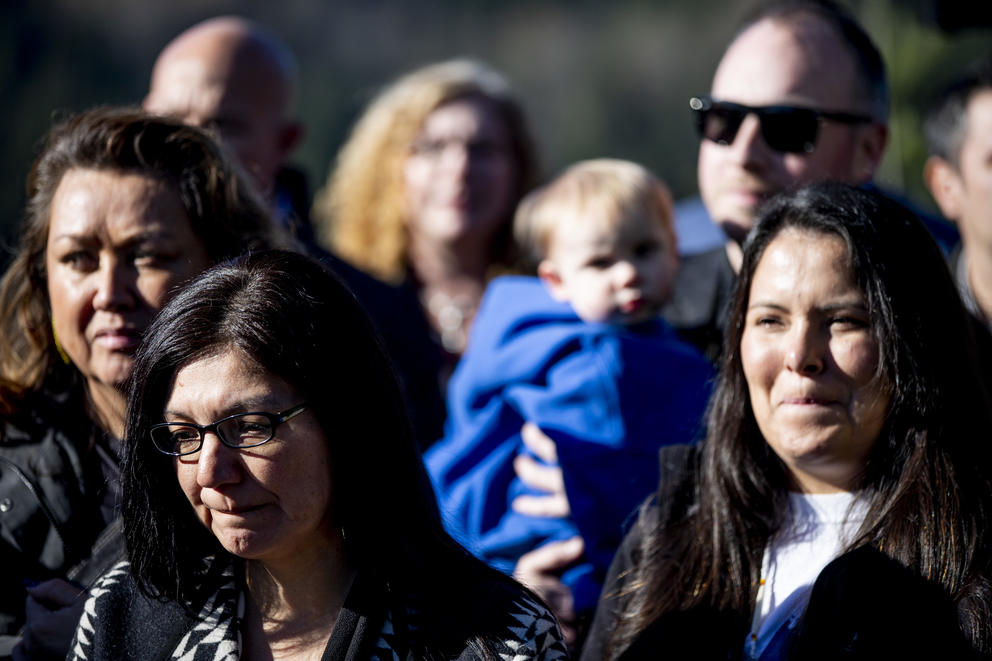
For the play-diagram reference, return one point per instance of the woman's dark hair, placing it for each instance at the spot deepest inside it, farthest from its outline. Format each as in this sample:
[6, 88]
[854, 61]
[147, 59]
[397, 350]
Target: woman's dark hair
[223, 211]
[288, 315]
[927, 484]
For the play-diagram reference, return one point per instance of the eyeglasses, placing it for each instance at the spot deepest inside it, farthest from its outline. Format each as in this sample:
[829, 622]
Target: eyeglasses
[241, 430]
[783, 128]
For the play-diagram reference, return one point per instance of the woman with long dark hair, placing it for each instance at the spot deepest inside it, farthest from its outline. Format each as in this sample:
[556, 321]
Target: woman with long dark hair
[274, 502]
[839, 505]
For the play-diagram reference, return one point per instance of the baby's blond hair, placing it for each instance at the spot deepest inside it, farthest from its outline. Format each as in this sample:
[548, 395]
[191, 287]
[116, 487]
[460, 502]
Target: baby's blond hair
[608, 191]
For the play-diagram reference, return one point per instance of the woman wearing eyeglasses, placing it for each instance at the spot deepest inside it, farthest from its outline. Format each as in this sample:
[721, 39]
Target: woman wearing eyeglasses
[423, 192]
[839, 505]
[274, 502]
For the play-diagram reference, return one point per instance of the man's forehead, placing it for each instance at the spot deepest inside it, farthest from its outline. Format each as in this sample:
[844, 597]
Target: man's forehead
[197, 92]
[787, 63]
[185, 87]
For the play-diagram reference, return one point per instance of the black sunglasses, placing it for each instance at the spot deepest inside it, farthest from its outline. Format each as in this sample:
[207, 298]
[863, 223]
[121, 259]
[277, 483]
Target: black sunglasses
[783, 128]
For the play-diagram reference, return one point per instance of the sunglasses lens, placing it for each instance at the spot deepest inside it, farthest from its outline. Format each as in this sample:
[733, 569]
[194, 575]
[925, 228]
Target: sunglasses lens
[789, 129]
[719, 124]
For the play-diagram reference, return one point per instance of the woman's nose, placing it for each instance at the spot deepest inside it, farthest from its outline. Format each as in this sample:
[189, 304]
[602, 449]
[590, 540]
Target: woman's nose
[216, 464]
[805, 349]
[114, 286]
[455, 158]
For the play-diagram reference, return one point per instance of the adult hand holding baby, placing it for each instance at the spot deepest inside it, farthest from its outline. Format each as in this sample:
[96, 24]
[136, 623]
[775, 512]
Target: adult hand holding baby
[541, 569]
[548, 478]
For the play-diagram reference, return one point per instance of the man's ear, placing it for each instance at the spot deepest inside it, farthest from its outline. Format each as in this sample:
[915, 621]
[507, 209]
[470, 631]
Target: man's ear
[945, 185]
[872, 139]
[549, 275]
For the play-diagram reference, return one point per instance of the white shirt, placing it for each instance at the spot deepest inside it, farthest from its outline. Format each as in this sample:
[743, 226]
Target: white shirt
[817, 528]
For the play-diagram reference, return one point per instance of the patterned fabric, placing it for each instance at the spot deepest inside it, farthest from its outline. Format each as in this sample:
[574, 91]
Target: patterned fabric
[534, 635]
[116, 617]
[82, 647]
[216, 635]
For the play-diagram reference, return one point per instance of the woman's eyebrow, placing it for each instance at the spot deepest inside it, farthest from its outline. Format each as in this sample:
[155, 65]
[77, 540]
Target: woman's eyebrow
[266, 403]
[767, 304]
[856, 304]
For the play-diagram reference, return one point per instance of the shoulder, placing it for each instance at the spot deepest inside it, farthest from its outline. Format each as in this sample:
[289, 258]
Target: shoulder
[493, 618]
[40, 417]
[119, 621]
[521, 627]
[863, 603]
[517, 325]
[512, 297]
[109, 601]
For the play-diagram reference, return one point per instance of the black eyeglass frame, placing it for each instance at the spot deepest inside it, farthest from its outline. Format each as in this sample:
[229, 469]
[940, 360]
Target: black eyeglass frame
[275, 419]
[807, 119]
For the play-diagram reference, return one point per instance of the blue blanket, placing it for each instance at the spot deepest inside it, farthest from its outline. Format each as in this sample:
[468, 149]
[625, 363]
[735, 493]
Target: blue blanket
[609, 396]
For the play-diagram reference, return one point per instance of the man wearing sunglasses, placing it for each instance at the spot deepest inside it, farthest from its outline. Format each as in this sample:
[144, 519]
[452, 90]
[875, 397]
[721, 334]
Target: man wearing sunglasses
[800, 95]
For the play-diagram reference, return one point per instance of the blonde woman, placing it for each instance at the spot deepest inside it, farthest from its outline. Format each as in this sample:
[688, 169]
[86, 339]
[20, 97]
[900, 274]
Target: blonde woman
[424, 190]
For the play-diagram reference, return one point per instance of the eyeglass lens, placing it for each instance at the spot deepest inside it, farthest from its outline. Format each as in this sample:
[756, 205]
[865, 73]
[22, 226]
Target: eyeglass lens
[783, 129]
[236, 431]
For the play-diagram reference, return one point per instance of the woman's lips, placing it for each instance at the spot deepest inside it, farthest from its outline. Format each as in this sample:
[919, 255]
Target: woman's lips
[118, 339]
[808, 401]
[236, 511]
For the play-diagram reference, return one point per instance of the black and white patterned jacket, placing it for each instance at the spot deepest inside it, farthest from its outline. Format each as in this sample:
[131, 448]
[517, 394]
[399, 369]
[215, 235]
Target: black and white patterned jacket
[120, 623]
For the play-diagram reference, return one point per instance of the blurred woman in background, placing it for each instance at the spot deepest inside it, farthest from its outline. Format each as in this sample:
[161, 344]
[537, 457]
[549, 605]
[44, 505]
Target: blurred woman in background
[425, 188]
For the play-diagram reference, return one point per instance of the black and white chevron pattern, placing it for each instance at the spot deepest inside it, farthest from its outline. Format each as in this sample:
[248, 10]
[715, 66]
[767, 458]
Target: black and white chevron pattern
[528, 631]
[82, 648]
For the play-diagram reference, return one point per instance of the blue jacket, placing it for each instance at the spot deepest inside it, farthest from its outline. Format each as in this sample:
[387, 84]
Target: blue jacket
[609, 396]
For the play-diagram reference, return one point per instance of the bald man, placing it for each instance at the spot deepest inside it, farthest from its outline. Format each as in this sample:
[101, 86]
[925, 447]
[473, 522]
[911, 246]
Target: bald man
[229, 75]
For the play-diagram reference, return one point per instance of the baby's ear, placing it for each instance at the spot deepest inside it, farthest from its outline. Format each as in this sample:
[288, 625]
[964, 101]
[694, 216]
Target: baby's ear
[549, 275]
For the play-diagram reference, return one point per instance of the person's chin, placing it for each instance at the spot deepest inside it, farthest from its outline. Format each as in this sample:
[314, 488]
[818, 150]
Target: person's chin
[736, 225]
[116, 377]
[241, 540]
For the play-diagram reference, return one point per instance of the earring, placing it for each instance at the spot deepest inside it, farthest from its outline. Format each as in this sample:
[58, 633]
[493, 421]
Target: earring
[58, 346]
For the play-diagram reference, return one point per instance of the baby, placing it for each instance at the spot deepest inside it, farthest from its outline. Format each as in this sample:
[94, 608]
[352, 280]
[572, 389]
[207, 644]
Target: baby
[581, 352]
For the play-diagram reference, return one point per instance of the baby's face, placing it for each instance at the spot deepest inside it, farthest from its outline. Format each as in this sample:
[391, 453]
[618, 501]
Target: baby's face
[622, 274]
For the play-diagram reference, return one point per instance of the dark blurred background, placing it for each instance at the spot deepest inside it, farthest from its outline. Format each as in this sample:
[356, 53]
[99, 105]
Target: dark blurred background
[597, 78]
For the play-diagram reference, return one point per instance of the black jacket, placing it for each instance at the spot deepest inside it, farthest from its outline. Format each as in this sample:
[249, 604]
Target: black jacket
[58, 485]
[864, 605]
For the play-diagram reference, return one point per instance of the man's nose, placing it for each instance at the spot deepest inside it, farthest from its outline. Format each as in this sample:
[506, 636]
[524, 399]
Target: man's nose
[749, 144]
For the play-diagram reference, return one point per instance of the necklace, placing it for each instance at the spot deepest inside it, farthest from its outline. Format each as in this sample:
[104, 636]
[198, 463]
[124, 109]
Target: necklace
[451, 315]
